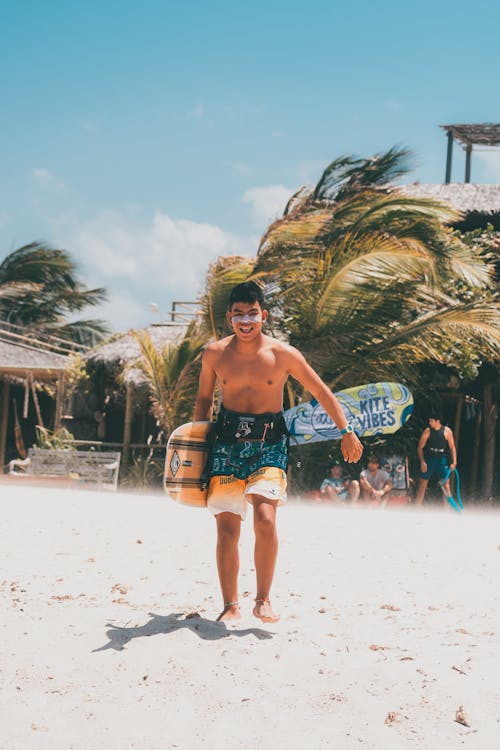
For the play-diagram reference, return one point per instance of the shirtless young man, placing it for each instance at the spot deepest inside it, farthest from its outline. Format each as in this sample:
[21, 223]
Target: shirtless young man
[250, 456]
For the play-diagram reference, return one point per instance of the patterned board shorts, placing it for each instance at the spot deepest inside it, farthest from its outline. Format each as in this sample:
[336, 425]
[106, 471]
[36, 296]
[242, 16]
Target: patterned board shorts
[240, 470]
[437, 465]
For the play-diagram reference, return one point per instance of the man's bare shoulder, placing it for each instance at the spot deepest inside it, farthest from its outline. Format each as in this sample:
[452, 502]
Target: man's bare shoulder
[281, 347]
[217, 347]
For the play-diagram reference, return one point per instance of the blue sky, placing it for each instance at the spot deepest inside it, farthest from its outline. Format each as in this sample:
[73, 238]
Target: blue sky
[147, 138]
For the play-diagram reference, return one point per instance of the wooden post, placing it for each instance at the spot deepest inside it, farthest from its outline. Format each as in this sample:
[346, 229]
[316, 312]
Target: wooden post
[4, 422]
[449, 153]
[59, 400]
[35, 401]
[458, 418]
[127, 430]
[489, 425]
[468, 152]
[475, 457]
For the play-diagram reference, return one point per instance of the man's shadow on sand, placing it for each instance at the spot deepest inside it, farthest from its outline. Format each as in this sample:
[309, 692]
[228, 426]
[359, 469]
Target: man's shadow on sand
[208, 630]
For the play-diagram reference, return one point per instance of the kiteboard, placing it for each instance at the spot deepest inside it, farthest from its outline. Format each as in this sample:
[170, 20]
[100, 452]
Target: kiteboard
[373, 409]
[187, 452]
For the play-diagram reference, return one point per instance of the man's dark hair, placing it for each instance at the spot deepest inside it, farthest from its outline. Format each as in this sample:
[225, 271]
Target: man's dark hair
[374, 460]
[435, 414]
[248, 292]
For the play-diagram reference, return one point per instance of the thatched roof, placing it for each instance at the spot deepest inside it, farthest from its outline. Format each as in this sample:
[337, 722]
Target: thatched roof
[24, 350]
[466, 197]
[482, 134]
[17, 360]
[124, 351]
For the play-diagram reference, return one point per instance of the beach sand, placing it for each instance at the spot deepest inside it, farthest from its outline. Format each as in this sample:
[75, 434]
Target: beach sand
[390, 623]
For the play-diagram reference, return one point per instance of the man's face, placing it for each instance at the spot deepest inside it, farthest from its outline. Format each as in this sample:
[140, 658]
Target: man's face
[336, 472]
[246, 319]
[373, 465]
[433, 423]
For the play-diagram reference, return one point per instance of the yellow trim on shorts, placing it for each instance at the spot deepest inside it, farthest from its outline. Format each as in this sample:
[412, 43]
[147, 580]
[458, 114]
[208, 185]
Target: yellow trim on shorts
[231, 486]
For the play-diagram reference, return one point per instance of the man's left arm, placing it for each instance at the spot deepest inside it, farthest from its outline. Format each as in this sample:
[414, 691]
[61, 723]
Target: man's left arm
[453, 450]
[299, 369]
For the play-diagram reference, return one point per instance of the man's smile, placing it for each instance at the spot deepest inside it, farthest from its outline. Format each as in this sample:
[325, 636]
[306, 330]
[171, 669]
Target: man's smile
[245, 328]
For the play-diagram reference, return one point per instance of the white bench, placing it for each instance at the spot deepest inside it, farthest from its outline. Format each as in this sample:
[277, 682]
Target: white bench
[99, 468]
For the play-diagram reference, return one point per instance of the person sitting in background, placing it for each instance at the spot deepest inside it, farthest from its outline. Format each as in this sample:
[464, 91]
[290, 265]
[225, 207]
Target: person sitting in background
[375, 483]
[336, 487]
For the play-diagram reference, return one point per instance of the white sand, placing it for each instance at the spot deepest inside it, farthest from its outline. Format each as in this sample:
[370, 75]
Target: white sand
[382, 611]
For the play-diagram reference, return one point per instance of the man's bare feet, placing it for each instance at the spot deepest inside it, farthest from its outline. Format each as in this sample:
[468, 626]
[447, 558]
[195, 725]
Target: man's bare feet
[230, 612]
[264, 611]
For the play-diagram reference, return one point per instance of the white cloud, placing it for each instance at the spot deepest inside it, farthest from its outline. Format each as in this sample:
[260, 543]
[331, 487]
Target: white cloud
[267, 203]
[160, 259]
[122, 311]
[163, 250]
[47, 180]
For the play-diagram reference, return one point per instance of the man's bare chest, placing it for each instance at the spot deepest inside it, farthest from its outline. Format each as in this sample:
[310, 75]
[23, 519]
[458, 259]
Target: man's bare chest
[263, 369]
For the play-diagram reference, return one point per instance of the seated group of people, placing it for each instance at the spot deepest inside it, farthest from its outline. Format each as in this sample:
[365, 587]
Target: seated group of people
[374, 484]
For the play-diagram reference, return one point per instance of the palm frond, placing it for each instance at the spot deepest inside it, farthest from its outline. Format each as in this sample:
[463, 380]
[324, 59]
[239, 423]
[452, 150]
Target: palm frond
[39, 286]
[429, 337]
[171, 374]
[348, 175]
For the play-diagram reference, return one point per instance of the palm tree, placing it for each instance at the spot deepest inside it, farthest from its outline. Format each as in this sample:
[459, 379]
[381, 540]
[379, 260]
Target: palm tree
[369, 282]
[172, 376]
[39, 287]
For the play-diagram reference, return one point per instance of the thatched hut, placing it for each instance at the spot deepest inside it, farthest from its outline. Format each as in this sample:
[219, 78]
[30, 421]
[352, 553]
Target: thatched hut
[28, 359]
[123, 351]
[479, 204]
[116, 409]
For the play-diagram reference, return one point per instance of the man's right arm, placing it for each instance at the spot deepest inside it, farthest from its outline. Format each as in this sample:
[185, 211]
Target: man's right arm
[420, 450]
[206, 386]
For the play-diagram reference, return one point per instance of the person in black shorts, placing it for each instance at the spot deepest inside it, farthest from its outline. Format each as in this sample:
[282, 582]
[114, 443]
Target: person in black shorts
[435, 446]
